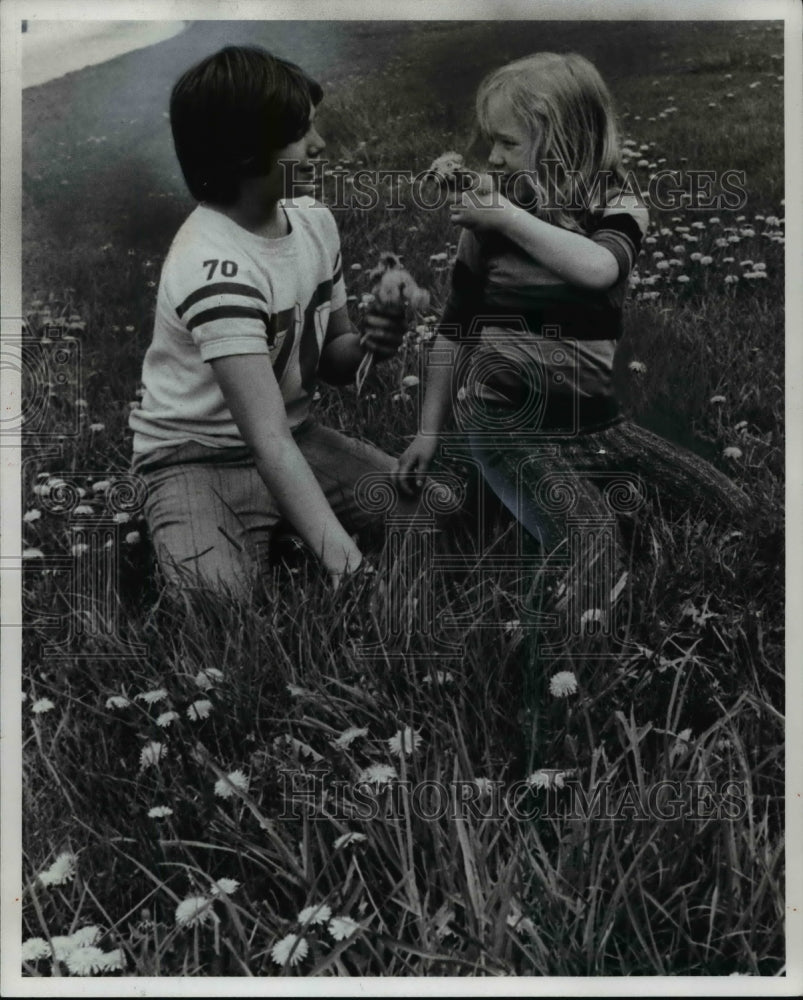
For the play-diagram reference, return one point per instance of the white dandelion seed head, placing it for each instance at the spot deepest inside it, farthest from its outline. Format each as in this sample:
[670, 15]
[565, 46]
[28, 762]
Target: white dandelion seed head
[62, 870]
[377, 774]
[348, 736]
[293, 949]
[223, 786]
[151, 754]
[342, 927]
[562, 684]
[42, 705]
[346, 839]
[314, 914]
[405, 741]
[35, 949]
[199, 710]
[160, 812]
[194, 910]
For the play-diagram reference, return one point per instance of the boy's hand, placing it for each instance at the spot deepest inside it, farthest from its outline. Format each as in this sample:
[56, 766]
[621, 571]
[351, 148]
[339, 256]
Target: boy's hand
[414, 462]
[383, 330]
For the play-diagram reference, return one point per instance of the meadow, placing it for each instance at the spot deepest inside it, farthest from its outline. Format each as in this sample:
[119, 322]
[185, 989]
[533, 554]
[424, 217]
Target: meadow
[196, 779]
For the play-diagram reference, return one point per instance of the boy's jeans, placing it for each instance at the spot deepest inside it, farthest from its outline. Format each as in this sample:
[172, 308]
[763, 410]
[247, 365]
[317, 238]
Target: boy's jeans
[211, 517]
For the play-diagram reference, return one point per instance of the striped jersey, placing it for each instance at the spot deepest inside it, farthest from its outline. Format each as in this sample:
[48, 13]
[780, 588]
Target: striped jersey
[226, 291]
[537, 341]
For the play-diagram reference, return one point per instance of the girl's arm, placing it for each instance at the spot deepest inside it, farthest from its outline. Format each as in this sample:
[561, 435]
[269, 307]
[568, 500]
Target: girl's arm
[417, 457]
[252, 395]
[573, 257]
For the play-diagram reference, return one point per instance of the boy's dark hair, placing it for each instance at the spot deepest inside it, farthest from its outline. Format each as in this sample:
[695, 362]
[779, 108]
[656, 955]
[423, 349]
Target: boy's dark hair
[230, 114]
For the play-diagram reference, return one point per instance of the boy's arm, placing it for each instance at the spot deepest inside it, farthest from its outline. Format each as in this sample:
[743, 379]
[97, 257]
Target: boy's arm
[343, 351]
[252, 395]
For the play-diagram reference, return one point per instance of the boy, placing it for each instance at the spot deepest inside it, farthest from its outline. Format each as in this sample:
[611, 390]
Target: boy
[251, 310]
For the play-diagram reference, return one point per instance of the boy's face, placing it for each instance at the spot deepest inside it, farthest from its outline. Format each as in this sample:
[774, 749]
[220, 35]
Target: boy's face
[294, 174]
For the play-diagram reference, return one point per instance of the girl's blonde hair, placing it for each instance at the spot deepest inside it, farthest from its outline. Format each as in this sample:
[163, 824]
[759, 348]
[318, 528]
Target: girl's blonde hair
[563, 103]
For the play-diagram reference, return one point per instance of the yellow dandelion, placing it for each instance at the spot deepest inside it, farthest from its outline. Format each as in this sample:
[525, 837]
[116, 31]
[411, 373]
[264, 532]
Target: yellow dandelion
[562, 684]
[314, 914]
[291, 949]
[223, 786]
[62, 870]
[194, 910]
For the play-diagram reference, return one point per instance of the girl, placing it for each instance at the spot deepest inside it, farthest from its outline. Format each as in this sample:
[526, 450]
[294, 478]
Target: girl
[535, 314]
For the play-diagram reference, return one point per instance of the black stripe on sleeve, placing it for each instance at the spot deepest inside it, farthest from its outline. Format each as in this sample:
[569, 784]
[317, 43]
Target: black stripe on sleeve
[219, 288]
[624, 223]
[229, 312]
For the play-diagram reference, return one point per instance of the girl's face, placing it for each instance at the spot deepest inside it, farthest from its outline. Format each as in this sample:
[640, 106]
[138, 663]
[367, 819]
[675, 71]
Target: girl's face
[510, 141]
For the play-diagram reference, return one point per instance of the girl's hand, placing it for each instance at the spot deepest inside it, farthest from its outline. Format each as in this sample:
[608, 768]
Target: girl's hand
[415, 461]
[383, 331]
[480, 210]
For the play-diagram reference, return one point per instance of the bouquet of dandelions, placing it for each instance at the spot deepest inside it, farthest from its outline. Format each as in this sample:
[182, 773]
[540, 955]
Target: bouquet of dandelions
[394, 290]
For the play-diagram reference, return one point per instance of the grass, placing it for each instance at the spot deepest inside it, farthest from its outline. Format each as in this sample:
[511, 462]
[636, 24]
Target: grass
[275, 690]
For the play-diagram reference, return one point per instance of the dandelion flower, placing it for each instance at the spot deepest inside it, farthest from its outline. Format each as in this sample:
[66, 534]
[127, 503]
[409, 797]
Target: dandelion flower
[85, 961]
[346, 839]
[35, 949]
[347, 737]
[717, 399]
[97, 428]
[62, 946]
[683, 279]
[62, 870]
[199, 710]
[539, 779]
[409, 381]
[193, 910]
[166, 719]
[732, 452]
[484, 786]
[680, 745]
[292, 949]
[32, 554]
[591, 615]
[227, 886]
[342, 927]
[121, 517]
[223, 785]
[706, 260]
[207, 678]
[80, 549]
[31, 515]
[117, 701]
[160, 812]
[314, 914]
[113, 961]
[42, 705]
[132, 538]
[379, 774]
[406, 741]
[151, 754]
[83, 510]
[151, 697]
[638, 367]
[101, 486]
[562, 684]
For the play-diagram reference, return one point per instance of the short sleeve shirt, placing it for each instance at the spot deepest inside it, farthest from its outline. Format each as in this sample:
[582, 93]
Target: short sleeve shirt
[226, 291]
